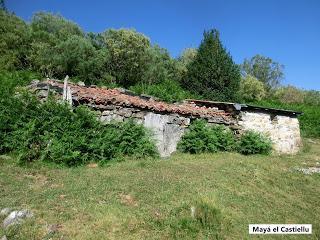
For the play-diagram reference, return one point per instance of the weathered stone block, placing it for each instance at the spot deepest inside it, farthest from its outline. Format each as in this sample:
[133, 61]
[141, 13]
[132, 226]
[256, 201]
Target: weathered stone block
[166, 134]
[110, 107]
[106, 113]
[125, 112]
[139, 115]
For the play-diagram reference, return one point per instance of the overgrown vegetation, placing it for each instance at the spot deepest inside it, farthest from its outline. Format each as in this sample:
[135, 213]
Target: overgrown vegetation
[201, 138]
[9, 106]
[251, 89]
[252, 143]
[55, 47]
[52, 46]
[53, 132]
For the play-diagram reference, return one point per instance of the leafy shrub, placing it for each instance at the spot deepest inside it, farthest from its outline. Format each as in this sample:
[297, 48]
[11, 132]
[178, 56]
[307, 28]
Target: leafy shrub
[226, 138]
[312, 97]
[54, 132]
[10, 107]
[198, 139]
[289, 94]
[309, 120]
[254, 143]
[10, 80]
[201, 138]
[251, 89]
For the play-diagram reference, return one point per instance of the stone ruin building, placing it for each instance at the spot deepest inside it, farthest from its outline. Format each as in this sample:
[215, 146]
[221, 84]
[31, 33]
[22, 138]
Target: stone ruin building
[168, 122]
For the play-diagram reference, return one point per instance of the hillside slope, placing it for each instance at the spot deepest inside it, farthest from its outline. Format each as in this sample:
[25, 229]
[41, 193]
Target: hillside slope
[151, 199]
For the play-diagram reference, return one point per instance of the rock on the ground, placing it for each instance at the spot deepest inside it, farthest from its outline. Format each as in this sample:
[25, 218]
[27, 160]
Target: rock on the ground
[5, 212]
[4, 238]
[16, 217]
[309, 170]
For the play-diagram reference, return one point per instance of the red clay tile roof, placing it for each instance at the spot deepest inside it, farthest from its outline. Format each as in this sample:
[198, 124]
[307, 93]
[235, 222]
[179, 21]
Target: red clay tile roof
[103, 96]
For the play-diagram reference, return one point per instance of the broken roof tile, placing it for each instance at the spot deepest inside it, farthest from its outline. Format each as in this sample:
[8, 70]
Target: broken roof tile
[104, 96]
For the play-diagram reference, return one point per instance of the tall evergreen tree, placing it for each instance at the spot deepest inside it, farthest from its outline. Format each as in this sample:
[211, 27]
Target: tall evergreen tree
[213, 74]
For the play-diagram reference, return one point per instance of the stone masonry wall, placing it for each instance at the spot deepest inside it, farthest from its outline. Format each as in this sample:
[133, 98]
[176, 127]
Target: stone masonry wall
[283, 131]
[166, 129]
[169, 126]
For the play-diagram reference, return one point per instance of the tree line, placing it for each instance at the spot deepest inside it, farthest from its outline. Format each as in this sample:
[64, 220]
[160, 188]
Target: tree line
[54, 47]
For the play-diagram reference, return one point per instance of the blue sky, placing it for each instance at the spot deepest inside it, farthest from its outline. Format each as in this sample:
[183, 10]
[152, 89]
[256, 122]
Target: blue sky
[287, 31]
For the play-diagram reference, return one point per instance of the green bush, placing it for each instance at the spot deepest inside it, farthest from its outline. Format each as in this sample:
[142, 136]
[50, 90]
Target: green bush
[201, 138]
[53, 132]
[226, 138]
[254, 143]
[10, 80]
[10, 107]
[312, 97]
[289, 94]
[251, 89]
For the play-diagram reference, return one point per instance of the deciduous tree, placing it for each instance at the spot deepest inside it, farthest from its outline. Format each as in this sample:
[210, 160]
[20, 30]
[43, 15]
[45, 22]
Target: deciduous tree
[48, 31]
[128, 51]
[14, 41]
[264, 69]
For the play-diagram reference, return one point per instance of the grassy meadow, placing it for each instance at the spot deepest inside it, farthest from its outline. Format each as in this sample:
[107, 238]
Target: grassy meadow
[152, 199]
